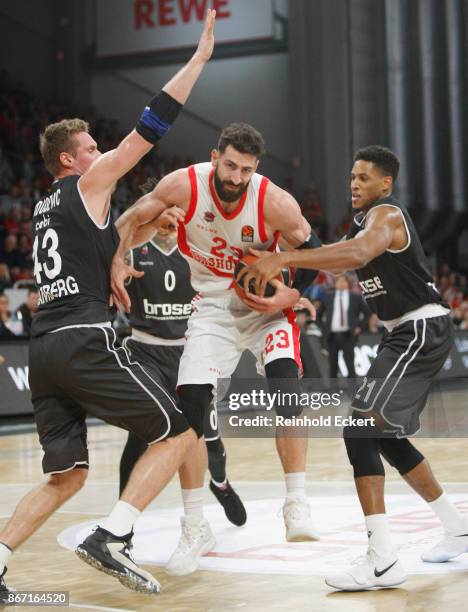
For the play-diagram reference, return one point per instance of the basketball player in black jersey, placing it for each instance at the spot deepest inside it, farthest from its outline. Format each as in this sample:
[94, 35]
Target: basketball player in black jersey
[384, 249]
[161, 306]
[75, 365]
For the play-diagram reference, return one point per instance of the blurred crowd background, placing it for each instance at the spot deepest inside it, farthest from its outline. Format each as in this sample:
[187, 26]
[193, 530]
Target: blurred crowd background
[24, 179]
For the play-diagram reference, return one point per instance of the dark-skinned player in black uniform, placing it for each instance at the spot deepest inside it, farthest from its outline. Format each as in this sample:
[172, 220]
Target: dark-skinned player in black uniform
[384, 249]
[161, 307]
[75, 365]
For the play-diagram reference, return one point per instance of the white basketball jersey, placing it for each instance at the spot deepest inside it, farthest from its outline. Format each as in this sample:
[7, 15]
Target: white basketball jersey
[212, 240]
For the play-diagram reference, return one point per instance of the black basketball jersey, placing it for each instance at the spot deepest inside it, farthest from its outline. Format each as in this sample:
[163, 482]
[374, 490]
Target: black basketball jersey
[72, 258]
[161, 299]
[396, 282]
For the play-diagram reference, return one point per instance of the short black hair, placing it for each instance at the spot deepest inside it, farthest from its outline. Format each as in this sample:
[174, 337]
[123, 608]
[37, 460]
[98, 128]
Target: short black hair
[381, 157]
[244, 138]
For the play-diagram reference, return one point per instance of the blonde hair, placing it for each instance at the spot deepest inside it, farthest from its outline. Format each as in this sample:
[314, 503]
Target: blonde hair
[58, 138]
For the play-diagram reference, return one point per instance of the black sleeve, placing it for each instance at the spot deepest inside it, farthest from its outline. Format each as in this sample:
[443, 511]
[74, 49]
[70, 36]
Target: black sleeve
[304, 277]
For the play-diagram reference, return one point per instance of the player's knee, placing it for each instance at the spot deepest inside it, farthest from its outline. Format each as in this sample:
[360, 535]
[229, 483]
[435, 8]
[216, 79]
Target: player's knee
[286, 372]
[69, 483]
[194, 400]
[363, 453]
[188, 439]
[401, 454]
[282, 368]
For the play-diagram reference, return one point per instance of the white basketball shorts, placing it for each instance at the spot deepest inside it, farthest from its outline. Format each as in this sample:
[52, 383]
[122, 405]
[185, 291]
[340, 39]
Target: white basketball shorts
[219, 331]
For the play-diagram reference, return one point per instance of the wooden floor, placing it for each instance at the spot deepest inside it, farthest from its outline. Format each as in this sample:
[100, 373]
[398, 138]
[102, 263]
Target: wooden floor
[41, 564]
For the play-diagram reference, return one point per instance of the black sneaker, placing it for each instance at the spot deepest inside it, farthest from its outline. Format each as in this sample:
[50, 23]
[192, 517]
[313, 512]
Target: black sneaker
[111, 554]
[231, 502]
[4, 590]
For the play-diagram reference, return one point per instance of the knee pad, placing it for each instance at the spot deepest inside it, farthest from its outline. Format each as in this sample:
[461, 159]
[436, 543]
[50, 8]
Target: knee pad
[288, 371]
[363, 453]
[194, 400]
[401, 454]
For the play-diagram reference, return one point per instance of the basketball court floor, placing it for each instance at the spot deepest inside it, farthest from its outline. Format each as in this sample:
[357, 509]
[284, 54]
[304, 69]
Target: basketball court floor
[252, 568]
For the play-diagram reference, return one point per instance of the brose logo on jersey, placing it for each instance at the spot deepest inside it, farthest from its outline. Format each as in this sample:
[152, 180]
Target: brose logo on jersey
[166, 311]
[372, 287]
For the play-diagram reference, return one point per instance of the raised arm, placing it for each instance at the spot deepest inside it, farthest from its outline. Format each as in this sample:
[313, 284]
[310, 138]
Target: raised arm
[156, 120]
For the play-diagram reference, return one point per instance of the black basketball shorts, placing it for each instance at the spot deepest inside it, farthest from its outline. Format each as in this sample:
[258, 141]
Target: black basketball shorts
[398, 382]
[162, 362]
[83, 370]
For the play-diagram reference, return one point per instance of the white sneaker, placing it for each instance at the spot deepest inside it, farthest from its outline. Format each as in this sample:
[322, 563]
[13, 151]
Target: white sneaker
[369, 572]
[448, 548]
[297, 520]
[196, 540]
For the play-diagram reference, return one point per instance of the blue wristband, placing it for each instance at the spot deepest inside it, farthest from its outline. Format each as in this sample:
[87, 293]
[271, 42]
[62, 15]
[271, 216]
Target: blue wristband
[157, 118]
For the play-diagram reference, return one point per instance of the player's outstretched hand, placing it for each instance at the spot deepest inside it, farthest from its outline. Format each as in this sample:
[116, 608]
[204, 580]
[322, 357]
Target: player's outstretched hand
[283, 299]
[120, 271]
[206, 42]
[265, 268]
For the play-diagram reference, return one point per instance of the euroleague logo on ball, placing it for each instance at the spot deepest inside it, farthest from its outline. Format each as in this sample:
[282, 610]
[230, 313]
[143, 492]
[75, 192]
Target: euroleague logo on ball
[247, 233]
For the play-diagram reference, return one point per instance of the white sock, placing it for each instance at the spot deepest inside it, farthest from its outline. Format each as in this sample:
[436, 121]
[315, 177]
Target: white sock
[452, 521]
[120, 520]
[5, 554]
[220, 485]
[193, 502]
[379, 534]
[295, 484]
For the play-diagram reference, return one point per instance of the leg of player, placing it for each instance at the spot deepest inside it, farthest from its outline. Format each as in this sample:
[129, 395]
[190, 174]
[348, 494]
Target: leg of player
[134, 449]
[219, 483]
[419, 476]
[380, 568]
[196, 538]
[108, 548]
[33, 510]
[292, 451]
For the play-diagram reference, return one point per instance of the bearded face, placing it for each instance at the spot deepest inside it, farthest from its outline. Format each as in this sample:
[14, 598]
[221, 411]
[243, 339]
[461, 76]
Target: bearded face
[227, 190]
[233, 172]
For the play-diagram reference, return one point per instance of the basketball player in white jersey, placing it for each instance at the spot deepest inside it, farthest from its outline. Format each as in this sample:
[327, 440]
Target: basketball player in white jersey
[228, 209]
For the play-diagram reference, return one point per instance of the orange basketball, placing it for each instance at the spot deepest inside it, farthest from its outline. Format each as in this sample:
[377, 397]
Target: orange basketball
[284, 277]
